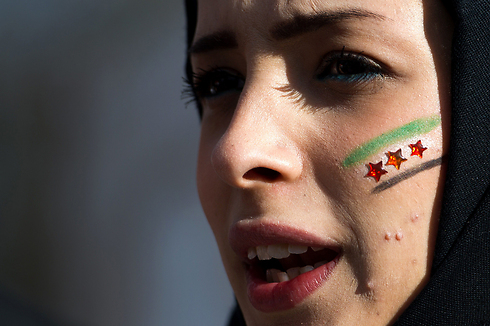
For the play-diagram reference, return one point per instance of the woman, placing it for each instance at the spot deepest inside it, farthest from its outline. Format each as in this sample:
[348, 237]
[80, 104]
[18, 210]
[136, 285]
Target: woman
[336, 169]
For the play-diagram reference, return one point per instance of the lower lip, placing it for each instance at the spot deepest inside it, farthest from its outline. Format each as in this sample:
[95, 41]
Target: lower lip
[270, 297]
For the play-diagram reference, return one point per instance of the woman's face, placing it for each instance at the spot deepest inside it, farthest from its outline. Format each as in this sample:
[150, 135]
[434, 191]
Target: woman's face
[323, 131]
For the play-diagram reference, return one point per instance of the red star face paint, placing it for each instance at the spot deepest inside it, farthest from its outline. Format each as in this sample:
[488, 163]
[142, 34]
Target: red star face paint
[417, 149]
[416, 127]
[376, 170]
[373, 146]
[395, 158]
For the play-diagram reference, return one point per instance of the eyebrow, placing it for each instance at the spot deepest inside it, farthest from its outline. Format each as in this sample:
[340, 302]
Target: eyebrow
[295, 26]
[302, 24]
[215, 41]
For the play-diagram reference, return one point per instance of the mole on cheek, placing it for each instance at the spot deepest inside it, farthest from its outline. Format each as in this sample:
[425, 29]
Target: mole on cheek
[399, 236]
[388, 236]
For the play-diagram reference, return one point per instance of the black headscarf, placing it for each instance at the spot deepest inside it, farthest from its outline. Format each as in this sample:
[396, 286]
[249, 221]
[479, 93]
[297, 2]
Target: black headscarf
[458, 292]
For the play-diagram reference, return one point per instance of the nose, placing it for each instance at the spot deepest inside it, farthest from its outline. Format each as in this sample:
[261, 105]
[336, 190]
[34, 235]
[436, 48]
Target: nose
[259, 146]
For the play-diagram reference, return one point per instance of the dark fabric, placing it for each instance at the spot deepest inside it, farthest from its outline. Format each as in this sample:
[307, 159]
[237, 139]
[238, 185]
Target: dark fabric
[458, 292]
[236, 318]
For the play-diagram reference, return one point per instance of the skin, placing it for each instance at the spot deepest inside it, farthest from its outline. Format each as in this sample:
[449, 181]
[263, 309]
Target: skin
[272, 152]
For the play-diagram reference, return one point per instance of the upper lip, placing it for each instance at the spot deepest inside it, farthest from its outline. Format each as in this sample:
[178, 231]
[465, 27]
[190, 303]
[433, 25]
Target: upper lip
[246, 234]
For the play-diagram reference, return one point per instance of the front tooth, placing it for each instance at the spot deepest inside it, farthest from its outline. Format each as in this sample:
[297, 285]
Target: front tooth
[293, 272]
[272, 275]
[305, 269]
[283, 277]
[268, 275]
[252, 253]
[297, 249]
[262, 253]
[316, 248]
[278, 251]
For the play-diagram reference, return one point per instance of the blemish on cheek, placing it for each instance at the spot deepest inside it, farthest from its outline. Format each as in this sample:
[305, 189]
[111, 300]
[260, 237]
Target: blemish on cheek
[414, 217]
[399, 236]
[370, 285]
[367, 290]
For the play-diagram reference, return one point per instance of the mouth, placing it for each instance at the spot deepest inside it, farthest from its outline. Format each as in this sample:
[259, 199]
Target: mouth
[284, 262]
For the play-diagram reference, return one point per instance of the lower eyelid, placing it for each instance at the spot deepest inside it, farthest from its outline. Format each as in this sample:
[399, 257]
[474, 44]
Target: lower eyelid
[352, 81]
[354, 77]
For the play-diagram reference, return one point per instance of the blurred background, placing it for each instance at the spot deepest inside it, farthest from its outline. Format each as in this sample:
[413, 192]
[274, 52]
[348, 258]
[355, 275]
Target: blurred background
[100, 222]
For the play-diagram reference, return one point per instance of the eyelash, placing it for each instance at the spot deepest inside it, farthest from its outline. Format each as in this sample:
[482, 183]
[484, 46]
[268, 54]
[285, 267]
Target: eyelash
[362, 69]
[337, 67]
[213, 83]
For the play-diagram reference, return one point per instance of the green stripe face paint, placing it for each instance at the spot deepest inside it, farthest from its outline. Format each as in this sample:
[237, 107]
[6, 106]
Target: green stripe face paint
[417, 127]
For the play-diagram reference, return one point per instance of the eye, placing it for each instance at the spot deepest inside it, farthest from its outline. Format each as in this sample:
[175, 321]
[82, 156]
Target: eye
[217, 82]
[348, 68]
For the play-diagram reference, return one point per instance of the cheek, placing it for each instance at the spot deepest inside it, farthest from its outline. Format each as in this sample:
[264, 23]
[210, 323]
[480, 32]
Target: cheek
[410, 225]
[397, 224]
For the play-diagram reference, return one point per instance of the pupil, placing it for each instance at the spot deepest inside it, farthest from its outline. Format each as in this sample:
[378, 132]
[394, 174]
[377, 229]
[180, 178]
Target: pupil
[349, 68]
[214, 88]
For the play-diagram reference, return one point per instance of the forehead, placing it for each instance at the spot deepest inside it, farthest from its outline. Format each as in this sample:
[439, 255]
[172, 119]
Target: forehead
[259, 16]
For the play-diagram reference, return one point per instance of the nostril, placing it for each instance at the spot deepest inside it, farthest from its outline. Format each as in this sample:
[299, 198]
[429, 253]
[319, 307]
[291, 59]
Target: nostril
[263, 174]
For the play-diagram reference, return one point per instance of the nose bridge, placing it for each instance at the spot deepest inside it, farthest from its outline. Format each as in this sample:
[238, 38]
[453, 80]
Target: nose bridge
[257, 146]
